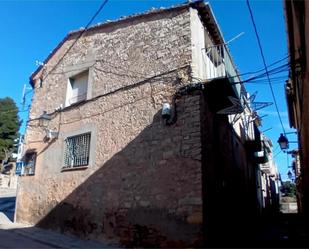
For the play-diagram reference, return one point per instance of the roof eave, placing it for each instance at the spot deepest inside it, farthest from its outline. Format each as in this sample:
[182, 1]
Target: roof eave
[38, 70]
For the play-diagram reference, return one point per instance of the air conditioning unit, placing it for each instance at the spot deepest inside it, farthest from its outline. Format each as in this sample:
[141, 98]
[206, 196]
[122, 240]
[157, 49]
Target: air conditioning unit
[51, 134]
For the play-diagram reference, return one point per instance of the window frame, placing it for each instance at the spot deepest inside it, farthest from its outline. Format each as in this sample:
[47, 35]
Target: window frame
[27, 160]
[68, 166]
[70, 87]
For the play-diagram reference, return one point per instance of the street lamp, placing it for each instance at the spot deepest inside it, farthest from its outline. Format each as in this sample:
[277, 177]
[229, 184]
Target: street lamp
[283, 142]
[290, 175]
[44, 119]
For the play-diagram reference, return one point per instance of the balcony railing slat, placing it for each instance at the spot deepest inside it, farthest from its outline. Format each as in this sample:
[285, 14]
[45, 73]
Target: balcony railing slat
[218, 63]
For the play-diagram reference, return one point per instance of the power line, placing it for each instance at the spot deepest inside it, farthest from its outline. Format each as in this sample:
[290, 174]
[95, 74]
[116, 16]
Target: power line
[264, 62]
[122, 88]
[276, 70]
[258, 79]
[78, 37]
[278, 153]
[262, 69]
[276, 148]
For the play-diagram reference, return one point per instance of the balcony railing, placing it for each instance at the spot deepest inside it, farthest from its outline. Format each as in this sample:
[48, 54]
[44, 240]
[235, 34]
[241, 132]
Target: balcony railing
[219, 64]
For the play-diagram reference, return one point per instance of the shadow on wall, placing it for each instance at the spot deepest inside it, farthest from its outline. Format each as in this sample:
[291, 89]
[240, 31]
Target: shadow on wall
[148, 194]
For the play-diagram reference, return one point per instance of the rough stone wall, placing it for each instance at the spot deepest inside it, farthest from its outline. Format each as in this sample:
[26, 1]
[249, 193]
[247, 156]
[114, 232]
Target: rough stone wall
[143, 184]
[118, 55]
[146, 177]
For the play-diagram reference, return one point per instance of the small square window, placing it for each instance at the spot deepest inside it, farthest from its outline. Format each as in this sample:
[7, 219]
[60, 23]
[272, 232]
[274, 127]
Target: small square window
[77, 88]
[29, 163]
[77, 149]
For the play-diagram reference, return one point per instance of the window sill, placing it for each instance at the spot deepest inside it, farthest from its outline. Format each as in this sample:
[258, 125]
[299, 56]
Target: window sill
[23, 175]
[74, 168]
[77, 103]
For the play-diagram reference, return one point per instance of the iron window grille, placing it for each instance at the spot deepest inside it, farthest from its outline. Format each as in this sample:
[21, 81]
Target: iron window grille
[77, 149]
[29, 166]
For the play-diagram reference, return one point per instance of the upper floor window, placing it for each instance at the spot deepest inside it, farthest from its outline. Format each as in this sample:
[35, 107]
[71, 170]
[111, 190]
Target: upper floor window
[77, 88]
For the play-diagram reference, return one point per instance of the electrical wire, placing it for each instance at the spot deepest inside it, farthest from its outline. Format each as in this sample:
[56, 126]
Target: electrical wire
[122, 88]
[265, 66]
[77, 38]
[277, 153]
[277, 70]
[72, 45]
[262, 69]
[141, 74]
[263, 76]
[276, 148]
[258, 79]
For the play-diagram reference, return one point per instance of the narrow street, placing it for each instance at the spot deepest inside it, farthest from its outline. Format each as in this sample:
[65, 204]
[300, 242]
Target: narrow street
[268, 231]
[282, 231]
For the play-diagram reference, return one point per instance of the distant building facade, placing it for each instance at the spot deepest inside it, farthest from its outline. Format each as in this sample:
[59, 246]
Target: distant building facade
[268, 179]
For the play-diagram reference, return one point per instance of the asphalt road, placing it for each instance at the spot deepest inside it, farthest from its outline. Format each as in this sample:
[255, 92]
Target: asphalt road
[9, 239]
[7, 204]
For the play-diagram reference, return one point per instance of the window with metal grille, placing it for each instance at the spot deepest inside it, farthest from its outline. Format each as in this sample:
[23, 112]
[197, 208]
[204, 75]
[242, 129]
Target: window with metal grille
[76, 153]
[29, 163]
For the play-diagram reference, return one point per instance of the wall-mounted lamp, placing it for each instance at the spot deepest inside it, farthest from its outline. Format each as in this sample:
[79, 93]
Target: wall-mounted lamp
[283, 142]
[44, 121]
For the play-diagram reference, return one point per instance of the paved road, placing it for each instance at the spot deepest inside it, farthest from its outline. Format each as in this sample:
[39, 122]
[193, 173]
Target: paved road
[21, 236]
[9, 239]
[7, 204]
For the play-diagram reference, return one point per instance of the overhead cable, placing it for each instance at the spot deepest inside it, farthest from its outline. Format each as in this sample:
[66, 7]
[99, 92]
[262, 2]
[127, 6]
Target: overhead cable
[264, 62]
[78, 37]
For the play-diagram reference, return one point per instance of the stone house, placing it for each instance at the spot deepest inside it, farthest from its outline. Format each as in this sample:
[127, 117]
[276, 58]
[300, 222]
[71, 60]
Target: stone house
[108, 165]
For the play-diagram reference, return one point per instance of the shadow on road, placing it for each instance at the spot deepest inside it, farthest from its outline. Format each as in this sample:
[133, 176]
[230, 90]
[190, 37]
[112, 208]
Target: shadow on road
[7, 207]
[19, 236]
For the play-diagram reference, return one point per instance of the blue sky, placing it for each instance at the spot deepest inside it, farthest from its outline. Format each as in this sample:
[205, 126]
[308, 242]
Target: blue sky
[31, 29]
